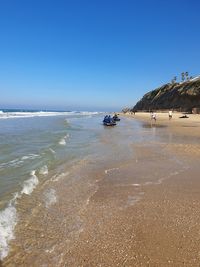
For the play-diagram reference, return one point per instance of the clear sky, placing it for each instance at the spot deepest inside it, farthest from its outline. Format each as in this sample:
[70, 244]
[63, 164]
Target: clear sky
[93, 54]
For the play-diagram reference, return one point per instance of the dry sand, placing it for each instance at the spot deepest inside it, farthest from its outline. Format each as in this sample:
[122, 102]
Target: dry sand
[188, 126]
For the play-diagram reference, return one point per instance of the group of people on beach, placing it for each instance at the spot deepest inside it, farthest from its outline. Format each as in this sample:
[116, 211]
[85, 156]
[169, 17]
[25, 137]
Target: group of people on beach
[153, 115]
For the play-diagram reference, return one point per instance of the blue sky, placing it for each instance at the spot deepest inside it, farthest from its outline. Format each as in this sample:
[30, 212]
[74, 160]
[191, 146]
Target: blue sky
[89, 54]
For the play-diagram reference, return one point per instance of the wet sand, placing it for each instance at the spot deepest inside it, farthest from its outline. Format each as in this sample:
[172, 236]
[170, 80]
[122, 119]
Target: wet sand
[152, 222]
[143, 211]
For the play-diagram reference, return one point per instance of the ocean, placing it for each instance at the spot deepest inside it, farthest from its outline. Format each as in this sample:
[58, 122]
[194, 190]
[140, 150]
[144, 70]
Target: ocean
[51, 163]
[33, 145]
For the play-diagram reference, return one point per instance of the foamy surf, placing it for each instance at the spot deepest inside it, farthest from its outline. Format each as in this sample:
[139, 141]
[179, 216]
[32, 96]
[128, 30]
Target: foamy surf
[8, 221]
[29, 114]
[62, 141]
[30, 184]
[8, 216]
[30, 156]
[52, 151]
[18, 162]
[43, 170]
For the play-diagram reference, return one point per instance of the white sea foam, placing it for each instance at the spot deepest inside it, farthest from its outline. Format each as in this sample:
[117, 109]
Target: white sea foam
[18, 161]
[44, 170]
[62, 141]
[30, 184]
[87, 113]
[12, 163]
[30, 156]
[19, 114]
[50, 197]
[8, 216]
[8, 221]
[25, 157]
[52, 151]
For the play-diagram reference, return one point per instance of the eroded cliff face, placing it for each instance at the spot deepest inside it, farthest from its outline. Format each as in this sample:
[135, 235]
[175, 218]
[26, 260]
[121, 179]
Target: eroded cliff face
[179, 96]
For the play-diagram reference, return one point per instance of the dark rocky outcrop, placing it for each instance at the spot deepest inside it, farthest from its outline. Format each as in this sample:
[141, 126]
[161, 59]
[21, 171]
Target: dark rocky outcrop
[179, 96]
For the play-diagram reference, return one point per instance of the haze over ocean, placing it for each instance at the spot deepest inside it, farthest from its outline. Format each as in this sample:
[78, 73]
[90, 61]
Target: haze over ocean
[96, 55]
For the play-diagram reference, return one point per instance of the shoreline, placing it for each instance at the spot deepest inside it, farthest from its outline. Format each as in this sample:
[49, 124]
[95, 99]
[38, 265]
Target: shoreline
[142, 210]
[143, 213]
[146, 211]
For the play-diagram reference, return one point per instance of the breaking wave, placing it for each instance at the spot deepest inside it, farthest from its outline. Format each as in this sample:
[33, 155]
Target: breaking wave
[28, 114]
[18, 161]
[8, 221]
[63, 140]
[44, 170]
[8, 216]
[30, 184]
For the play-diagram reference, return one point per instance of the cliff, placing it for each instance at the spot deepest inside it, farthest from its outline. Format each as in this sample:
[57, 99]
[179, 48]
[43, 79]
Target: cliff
[178, 96]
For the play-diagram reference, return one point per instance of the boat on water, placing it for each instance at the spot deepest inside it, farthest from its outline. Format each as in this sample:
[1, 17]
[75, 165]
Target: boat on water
[108, 121]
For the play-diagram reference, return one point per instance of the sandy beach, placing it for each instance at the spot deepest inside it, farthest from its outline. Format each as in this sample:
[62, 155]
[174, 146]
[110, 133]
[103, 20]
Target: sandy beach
[138, 222]
[188, 126]
[141, 211]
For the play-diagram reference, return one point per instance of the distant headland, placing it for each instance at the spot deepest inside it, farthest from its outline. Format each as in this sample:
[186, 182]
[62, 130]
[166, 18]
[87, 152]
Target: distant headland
[181, 96]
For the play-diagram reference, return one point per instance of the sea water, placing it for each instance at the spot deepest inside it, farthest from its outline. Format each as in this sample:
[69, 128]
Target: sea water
[32, 144]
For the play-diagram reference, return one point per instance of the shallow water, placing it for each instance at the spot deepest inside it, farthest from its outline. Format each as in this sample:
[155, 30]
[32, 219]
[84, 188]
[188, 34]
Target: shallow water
[32, 148]
[50, 167]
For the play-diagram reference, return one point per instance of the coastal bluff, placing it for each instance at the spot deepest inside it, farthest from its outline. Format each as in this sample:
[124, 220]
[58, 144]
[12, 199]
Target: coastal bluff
[184, 97]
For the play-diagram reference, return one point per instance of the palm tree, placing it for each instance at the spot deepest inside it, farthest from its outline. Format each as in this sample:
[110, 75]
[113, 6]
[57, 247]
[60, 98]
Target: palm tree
[187, 75]
[183, 76]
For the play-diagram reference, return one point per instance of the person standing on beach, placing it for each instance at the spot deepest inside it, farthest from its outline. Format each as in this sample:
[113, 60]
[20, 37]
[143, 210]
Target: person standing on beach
[154, 116]
[170, 114]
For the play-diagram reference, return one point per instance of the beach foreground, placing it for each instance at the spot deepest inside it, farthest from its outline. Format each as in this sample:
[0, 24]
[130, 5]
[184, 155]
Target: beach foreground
[140, 208]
